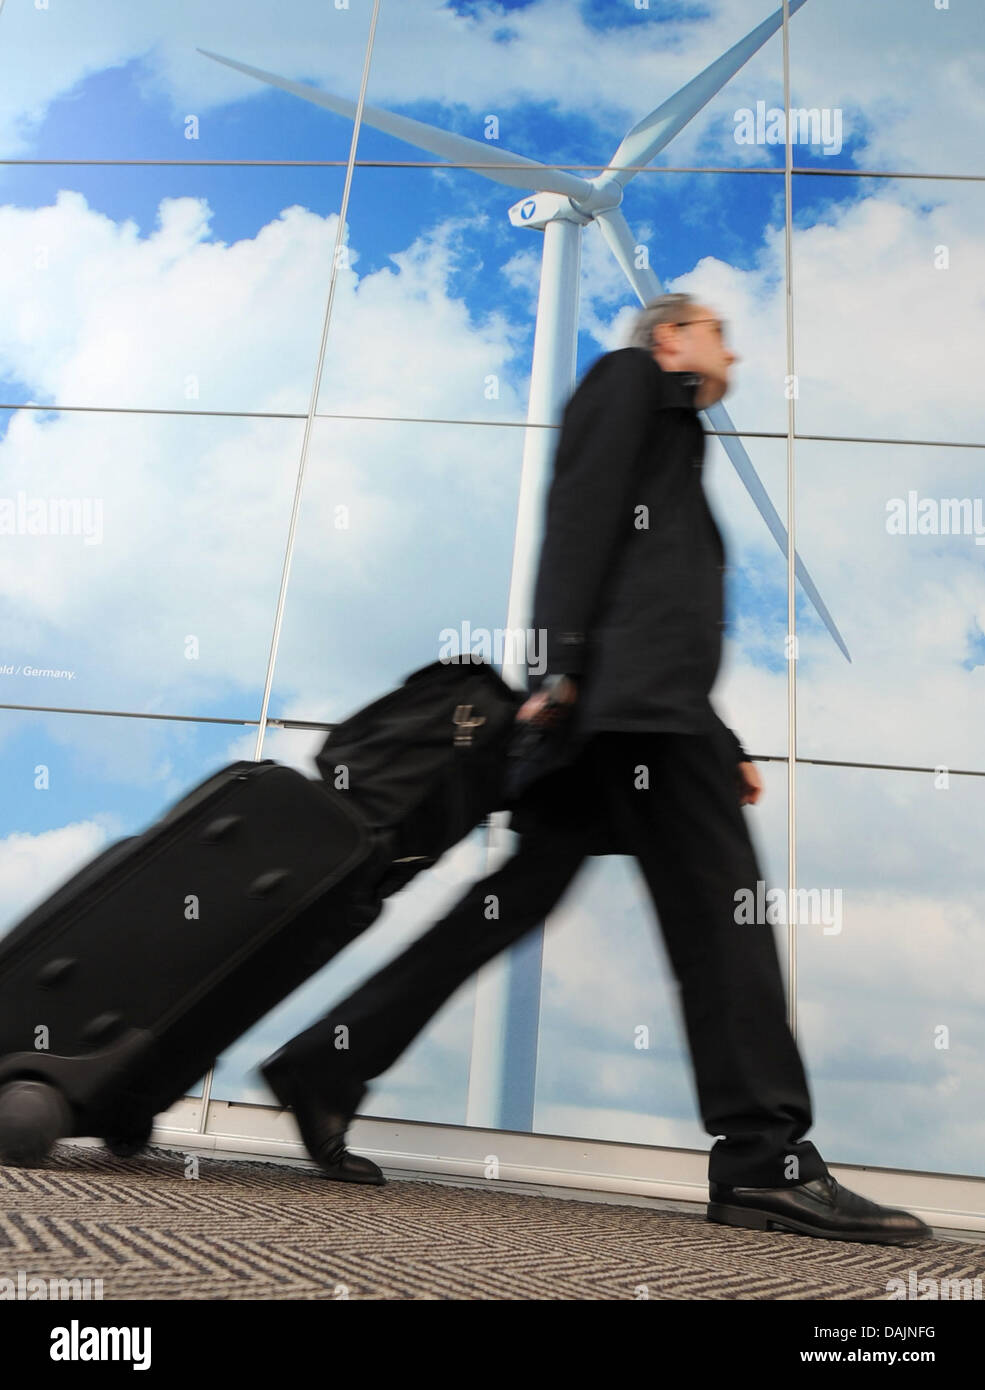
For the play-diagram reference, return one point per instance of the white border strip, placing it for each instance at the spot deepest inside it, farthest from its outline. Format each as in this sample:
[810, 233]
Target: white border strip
[576, 1166]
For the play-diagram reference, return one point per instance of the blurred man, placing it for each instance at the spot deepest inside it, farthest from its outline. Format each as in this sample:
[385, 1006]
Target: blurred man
[629, 599]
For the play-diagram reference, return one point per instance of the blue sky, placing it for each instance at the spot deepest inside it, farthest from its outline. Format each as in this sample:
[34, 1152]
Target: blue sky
[157, 274]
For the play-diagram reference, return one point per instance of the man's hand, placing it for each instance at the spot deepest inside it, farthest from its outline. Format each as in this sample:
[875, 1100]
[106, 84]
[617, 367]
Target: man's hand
[750, 784]
[547, 706]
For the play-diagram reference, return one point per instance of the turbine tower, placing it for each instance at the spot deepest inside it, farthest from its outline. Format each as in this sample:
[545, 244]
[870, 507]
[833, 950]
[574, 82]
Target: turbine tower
[560, 204]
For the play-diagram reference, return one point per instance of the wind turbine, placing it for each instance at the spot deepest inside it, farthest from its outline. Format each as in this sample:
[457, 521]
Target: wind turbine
[561, 206]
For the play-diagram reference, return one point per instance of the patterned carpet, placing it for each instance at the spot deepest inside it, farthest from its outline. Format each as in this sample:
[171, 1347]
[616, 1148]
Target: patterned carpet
[259, 1230]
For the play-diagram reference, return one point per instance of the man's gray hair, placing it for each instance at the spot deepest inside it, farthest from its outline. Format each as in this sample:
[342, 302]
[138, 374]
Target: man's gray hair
[667, 308]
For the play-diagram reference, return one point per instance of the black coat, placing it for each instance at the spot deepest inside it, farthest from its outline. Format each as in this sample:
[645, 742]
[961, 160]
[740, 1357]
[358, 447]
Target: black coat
[629, 590]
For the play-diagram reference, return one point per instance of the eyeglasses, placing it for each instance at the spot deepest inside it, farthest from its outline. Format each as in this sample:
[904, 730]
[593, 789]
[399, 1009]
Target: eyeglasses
[720, 325]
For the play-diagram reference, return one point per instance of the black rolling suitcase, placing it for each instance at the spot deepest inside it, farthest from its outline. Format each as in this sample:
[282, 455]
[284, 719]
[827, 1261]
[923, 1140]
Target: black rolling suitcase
[119, 991]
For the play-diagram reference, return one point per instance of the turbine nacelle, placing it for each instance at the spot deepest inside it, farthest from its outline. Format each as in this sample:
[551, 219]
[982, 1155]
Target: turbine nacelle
[541, 208]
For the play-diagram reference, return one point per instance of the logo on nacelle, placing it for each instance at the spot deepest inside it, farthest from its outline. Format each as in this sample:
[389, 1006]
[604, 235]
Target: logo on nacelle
[528, 209]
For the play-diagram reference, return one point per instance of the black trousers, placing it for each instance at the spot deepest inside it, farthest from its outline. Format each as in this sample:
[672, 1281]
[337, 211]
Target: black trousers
[672, 799]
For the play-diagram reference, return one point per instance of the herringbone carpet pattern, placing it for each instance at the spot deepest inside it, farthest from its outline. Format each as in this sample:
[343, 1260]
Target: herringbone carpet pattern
[258, 1230]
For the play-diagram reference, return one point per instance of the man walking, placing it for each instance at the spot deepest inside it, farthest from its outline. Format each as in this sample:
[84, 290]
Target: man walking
[629, 600]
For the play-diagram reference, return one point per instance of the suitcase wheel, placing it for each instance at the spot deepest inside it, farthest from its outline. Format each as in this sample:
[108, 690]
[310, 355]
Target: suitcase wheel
[131, 1141]
[33, 1115]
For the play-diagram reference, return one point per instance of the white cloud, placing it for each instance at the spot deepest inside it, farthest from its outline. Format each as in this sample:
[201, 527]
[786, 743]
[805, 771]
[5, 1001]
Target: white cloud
[909, 78]
[428, 52]
[885, 338]
[196, 512]
[109, 313]
[31, 866]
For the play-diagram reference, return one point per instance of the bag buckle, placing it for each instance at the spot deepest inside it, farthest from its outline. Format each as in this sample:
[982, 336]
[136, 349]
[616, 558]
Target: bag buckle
[464, 724]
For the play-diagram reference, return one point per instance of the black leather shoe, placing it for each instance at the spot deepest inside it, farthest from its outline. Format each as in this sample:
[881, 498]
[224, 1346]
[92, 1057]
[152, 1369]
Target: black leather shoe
[821, 1207]
[322, 1122]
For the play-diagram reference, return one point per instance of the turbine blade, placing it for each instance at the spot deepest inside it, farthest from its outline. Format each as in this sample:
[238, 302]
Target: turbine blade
[621, 242]
[460, 149]
[647, 286]
[719, 418]
[653, 132]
